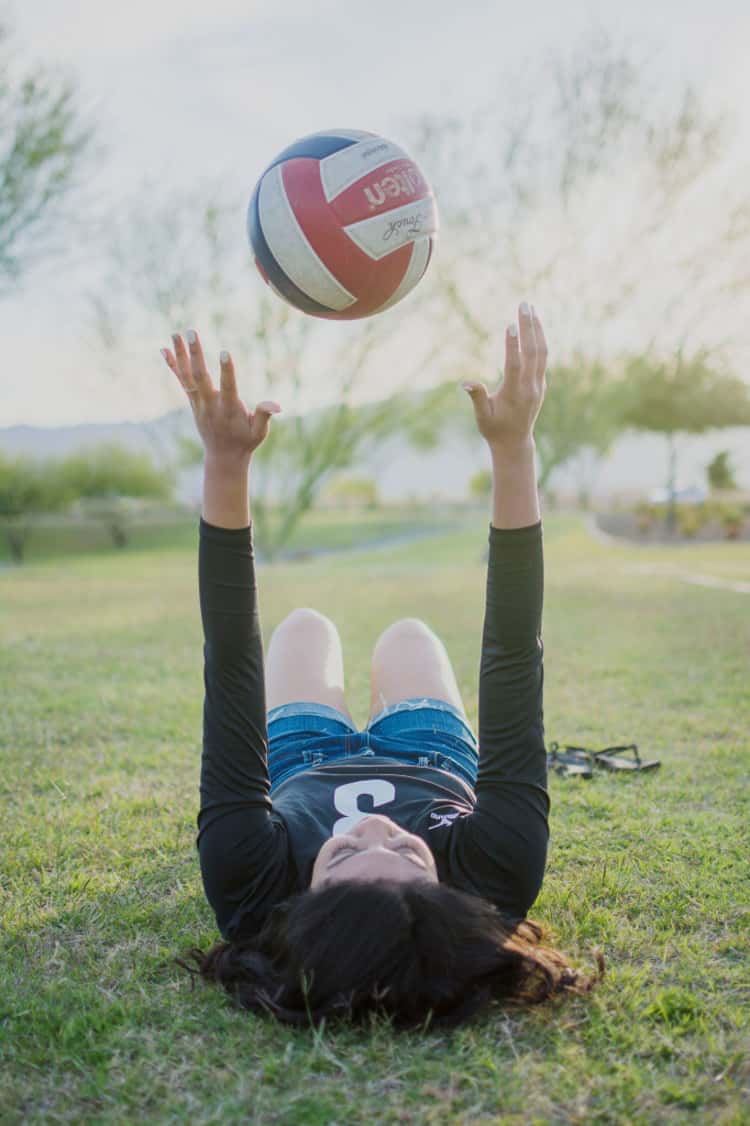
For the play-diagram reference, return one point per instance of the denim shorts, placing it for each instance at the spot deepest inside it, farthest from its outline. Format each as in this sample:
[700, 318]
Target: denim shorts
[422, 732]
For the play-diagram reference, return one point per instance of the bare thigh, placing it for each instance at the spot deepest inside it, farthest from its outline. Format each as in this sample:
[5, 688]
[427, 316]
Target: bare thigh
[305, 662]
[410, 661]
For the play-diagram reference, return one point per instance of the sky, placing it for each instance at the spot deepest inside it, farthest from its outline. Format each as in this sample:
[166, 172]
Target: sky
[186, 91]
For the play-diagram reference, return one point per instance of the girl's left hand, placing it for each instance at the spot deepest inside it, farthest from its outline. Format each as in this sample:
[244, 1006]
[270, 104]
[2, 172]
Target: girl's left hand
[229, 431]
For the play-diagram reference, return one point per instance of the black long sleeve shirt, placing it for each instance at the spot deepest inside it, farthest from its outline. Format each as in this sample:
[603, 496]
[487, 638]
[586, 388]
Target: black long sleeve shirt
[491, 841]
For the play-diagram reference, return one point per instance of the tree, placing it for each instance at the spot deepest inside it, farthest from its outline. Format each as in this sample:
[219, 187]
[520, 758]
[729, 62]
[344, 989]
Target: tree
[682, 395]
[720, 472]
[588, 193]
[27, 489]
[43, 142]
[190, 265]
[353, 492]
[301, 454]
[583, 410]
[480, 485]
[108, 478]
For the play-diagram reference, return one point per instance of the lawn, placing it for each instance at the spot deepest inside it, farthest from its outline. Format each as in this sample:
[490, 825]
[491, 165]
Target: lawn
[322, 529]
[100, 663]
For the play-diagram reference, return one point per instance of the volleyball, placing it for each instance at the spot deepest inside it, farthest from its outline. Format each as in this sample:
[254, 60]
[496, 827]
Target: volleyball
[342, 224]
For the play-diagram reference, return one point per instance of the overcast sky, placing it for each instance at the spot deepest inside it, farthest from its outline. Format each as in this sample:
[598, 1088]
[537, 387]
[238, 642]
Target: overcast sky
[181, 90]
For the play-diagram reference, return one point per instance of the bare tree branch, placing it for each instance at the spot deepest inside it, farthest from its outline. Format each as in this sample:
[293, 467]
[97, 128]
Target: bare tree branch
[43, 145]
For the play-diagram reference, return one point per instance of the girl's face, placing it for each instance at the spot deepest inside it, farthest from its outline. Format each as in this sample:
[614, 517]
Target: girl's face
[375, 849]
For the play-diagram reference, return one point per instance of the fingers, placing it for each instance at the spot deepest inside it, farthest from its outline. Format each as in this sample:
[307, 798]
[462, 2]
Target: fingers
[268, 406]
[198, 370]
[541, 345]
[512, 357]
[182, 360]
[260, 420]
[170, 361]
[173, 364]
[532, 360]
[480, 400]
[228, 379]
[528, 341]
[189, 366]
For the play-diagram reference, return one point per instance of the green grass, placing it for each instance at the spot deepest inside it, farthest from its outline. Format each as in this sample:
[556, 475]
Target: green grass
[174, 529]
[100, 664]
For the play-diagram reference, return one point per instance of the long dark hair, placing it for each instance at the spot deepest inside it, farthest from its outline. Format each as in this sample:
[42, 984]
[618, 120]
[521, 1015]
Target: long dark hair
[416, 952]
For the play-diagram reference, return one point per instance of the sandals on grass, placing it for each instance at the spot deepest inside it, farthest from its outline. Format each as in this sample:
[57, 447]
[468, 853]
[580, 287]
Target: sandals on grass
[580, 761]
[615, 758]
[570, 761]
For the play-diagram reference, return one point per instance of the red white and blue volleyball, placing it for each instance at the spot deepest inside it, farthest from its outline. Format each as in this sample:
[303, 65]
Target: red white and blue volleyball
[342, 224]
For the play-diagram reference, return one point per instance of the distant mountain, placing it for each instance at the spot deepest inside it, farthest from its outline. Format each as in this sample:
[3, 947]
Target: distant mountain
[636, 464]
[57, 441]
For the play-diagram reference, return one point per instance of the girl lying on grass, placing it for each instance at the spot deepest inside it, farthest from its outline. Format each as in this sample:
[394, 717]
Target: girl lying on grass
[417, 910]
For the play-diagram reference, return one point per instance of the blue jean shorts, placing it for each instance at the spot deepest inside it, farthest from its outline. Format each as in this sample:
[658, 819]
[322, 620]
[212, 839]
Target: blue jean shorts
[422, 732]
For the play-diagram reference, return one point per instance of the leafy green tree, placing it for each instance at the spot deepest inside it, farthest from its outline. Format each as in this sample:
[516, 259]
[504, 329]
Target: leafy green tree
[301, 454]
[353, 492]
[682, 395]
[185, 268]
[43, 143]
[590, 200]
[108, 478]
[720, 472]
[583, 410]
[480, 485]
[28, 489]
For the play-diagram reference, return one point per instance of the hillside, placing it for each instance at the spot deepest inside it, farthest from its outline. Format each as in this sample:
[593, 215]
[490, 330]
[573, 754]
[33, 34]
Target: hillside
[637, 463]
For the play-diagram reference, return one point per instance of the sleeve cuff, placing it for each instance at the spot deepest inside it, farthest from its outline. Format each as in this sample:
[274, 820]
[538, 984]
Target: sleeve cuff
[224, 535]
[530, 534]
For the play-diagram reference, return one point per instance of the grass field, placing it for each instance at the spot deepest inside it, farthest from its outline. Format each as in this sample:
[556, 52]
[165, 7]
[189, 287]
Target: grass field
[322, 529]
[100, 664]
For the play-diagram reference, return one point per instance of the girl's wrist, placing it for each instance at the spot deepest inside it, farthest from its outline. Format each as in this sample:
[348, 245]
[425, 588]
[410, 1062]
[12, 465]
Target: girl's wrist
[515, 498]
[518, 451]
[223, 463]
[225, 490]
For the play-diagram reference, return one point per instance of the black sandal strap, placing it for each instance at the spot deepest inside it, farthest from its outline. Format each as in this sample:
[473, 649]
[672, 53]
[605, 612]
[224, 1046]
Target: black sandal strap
[633, 747]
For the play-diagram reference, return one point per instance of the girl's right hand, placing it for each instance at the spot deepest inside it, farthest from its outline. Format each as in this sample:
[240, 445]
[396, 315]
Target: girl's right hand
[506, 418]
[229, 431]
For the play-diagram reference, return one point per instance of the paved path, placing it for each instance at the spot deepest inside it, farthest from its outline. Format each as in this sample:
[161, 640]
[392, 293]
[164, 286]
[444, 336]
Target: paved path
[694, 578]
[302, 554]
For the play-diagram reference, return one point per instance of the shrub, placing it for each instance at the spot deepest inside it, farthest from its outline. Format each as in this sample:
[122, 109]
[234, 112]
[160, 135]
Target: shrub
[645, 515]
[109, 480]
[690, 520]
[720, 472]
[704, 513]
[480, 485]
[352, 492]
[28, 488]
[731, 520]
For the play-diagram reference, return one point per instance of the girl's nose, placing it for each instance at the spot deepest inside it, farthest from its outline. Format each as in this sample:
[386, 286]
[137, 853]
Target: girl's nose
[375, 827]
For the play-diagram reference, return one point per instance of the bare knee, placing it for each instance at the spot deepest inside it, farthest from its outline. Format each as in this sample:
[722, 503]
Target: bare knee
[410, 661]
[405, 629]
[304, 661]
[304, 620]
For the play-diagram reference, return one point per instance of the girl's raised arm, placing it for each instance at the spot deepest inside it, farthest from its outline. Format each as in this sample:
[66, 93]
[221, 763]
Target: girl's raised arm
[506, 420]
[243, 857]
[229, 431]
[504, 842]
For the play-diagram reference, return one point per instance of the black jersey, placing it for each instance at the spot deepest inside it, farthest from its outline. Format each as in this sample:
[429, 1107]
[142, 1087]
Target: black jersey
[256, 850]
